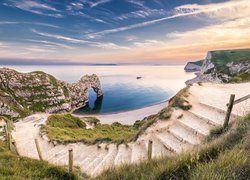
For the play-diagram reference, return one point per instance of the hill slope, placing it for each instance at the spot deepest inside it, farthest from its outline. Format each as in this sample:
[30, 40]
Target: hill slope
[24, 93]
[224, 66]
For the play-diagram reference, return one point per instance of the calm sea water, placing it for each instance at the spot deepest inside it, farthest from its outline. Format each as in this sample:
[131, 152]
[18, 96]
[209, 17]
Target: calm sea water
[122, 90]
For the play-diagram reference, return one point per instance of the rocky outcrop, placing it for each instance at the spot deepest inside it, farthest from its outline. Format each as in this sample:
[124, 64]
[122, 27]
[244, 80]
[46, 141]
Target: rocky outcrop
[219, 67]
[22, 93]
[193, 66]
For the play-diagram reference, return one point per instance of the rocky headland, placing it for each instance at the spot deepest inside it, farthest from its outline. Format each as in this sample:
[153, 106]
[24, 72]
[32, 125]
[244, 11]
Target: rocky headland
[194, 66]
[224, 66]
[25, 93]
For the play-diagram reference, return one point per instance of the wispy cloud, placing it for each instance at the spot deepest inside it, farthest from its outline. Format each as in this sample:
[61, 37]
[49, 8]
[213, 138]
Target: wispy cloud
[142, 14]
[99, 2]
[50, 43]
[235, 7]
[30, 23]
[59, 37]
[35, 7]
[104, 45]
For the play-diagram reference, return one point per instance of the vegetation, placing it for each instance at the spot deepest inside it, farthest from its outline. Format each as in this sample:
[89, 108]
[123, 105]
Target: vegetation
[92, 120]
[243, 77]
[215, 133]
[221, 58]
[165, 113]
[224, 158]
[66, 128]
[65, 121]
[179, 101]
[14, 167]
[198, 63]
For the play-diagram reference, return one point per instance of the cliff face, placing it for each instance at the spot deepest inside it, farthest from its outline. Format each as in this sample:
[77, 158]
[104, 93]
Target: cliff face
[23, 93]
[223, 66]
[193, 66]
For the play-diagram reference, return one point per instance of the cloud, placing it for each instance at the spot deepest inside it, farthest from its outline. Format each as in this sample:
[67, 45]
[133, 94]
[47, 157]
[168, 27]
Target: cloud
[59, 37]
[109, 46]
[30, 23]
[50, 43]
[103, 45]
[210, 10]
[142, 14]
[99, 2]
[35, 7]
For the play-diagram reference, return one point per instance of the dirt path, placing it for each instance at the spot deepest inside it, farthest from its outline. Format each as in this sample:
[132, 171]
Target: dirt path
[169, 137]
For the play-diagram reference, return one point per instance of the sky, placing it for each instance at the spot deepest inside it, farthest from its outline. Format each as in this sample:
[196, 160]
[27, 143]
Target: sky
[120, 31]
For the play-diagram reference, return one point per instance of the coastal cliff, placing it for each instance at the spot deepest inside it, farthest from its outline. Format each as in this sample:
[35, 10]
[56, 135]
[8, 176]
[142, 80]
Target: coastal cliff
[193, 66]
[24, 93]
[224, 66]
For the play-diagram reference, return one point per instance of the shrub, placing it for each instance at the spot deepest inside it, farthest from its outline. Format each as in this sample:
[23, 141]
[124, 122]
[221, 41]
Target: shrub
[65, 121]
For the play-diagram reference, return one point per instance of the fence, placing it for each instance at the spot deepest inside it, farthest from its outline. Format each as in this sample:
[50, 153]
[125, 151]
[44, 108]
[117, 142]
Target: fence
[230, 105]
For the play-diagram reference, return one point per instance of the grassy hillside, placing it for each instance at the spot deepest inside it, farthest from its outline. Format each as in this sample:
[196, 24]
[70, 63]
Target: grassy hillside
[224, 158]
[65, 128]
[220, 58]
[14, 167]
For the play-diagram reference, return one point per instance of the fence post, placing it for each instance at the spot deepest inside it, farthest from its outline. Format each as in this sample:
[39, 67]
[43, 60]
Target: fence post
[70, 162]
[38, 150]
[229, 110]
[150, 147]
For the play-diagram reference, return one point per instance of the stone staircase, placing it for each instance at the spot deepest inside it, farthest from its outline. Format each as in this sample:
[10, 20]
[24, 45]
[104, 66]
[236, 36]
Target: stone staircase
[177, 135]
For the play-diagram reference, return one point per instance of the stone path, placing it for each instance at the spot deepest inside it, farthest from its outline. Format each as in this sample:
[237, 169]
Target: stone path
[170, 137]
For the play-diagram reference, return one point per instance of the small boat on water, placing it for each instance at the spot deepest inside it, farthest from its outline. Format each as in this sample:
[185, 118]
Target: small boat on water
[138, 77]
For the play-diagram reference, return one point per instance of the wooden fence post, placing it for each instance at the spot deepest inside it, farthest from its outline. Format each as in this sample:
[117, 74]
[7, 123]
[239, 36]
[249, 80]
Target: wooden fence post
[70, 162]
[38, 150]
[150, 147]
[229, 110]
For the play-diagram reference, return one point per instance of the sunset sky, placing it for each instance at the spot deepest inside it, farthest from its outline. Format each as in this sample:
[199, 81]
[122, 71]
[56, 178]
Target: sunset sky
[120, 31]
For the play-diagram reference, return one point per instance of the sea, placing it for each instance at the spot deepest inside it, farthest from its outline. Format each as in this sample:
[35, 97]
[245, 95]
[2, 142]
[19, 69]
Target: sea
[125, 87]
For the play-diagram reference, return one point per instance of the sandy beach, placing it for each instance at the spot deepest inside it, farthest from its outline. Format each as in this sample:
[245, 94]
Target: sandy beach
[129, 117]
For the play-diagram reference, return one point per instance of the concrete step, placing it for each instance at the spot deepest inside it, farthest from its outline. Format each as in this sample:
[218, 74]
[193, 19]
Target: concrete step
[139, 151]
[123, 155]
[92, 165]
[195, 123]
[170, 142]
[202, 118]
[107, 162]
[158, 149]
[186, 134]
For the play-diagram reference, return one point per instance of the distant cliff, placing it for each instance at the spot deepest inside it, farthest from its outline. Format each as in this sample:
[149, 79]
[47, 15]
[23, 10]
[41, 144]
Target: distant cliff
[224, 66]
[24, 93]
[194, 66]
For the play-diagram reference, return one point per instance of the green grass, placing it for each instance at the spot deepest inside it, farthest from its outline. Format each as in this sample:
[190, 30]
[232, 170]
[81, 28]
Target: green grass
[224, 158]
[65, 121]
[101, 133]
[240, 78]
[179, 101]
[65, 128]
[14, 167]
[198, 63]
[215, 133]
[221, 58]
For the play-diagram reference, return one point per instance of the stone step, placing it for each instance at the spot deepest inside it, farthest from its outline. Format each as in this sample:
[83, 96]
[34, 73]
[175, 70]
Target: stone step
[158, 149]
[171, 142]
[195, 123]
[206, 119]
[92, 165]
[107, 162]
[90, 157]
[186, 134]
[123, 155]
[139, 152]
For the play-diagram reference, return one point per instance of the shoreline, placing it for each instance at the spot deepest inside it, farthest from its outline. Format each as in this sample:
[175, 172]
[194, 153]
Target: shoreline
[128, 117]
